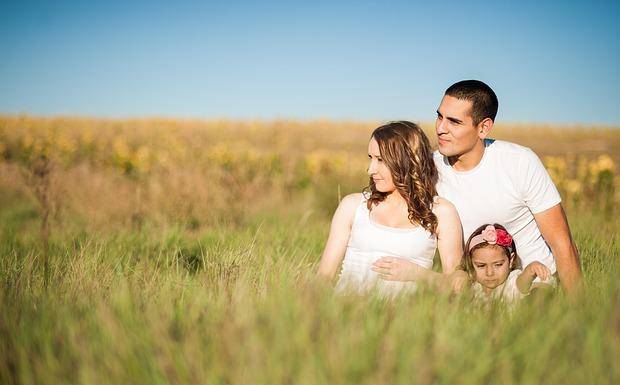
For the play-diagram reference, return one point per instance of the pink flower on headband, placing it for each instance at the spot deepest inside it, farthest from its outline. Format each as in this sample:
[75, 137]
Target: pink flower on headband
[503, 238]
[492, 236]
[489, 234]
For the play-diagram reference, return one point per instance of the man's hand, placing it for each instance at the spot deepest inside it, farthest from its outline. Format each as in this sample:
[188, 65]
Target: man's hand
[398, 269]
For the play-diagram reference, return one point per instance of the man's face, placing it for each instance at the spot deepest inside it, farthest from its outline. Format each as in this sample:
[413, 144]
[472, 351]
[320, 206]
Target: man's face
[456, 133]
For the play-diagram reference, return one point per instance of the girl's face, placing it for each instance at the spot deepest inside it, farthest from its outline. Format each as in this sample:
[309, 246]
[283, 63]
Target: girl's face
[491, 266]
[378, 170]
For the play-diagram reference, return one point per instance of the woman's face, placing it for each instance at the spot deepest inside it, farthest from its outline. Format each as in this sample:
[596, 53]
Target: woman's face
[378, 169]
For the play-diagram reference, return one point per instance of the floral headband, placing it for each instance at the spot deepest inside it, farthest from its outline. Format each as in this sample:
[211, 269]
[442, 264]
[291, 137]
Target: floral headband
[492, 236]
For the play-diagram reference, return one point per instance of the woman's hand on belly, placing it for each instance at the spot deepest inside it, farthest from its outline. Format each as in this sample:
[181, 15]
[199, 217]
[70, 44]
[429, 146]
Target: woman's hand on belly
[398, 269]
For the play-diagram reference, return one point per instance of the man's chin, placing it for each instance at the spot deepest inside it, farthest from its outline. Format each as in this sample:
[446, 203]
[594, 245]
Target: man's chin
[445, 151]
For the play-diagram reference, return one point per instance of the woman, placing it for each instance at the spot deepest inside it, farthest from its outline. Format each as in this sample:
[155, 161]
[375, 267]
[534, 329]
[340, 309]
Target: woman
[397, 215]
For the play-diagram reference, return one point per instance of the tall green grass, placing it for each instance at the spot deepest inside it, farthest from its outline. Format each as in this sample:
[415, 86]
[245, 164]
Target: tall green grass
[184, 253]
[230, 305]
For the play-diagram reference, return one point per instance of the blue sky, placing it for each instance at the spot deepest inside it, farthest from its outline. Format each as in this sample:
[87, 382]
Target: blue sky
[549, 62]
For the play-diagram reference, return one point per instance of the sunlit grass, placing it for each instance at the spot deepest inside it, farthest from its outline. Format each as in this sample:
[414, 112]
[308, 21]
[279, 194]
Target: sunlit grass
[200, 267]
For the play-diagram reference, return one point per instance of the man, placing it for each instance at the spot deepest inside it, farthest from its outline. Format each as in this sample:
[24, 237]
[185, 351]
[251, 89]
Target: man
[496, 182]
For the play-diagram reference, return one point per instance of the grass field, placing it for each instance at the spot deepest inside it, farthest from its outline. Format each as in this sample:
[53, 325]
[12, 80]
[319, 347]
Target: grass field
[162, 251]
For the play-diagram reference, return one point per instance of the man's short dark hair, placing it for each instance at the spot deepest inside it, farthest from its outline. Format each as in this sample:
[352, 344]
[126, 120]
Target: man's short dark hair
[483, 99]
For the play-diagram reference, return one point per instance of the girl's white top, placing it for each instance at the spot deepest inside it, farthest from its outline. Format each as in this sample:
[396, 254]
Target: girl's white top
[370, 241]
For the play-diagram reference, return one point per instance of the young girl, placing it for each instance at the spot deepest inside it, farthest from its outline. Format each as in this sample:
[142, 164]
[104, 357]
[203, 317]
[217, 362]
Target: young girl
[491, 261]
[398, 218]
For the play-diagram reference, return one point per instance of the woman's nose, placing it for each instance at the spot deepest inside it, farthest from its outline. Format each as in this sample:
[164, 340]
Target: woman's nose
[371, 168]
[489, 271]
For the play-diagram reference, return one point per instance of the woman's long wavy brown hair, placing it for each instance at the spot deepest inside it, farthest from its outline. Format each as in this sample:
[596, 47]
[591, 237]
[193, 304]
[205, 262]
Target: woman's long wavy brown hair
[405, 149]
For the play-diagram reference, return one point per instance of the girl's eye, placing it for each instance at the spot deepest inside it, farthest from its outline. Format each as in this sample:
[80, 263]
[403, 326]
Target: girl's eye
[380, 160]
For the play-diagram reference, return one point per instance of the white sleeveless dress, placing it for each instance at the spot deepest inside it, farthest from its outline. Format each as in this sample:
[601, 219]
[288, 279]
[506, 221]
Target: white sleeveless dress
[370, 241]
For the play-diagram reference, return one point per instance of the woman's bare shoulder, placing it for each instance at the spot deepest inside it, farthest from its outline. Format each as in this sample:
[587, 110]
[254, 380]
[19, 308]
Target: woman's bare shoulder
[351, 201]
[443, 207]
[346, 209]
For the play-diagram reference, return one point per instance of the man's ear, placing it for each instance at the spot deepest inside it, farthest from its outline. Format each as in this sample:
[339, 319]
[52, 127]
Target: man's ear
[485, 127]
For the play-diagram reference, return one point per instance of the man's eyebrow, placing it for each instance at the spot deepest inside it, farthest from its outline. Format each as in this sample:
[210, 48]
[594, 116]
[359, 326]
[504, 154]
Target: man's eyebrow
[453, 120]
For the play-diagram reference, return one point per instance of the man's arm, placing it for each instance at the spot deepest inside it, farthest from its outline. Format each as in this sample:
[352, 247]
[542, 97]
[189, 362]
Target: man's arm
[554, 228]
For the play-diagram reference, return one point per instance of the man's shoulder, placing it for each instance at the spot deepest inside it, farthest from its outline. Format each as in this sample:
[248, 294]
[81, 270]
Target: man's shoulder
[508, 153]
[501, 147]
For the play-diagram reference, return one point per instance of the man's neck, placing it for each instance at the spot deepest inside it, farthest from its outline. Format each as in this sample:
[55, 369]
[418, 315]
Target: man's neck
[468, 160]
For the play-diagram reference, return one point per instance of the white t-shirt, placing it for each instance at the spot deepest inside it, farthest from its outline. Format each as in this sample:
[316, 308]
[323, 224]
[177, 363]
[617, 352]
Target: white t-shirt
[508, 186]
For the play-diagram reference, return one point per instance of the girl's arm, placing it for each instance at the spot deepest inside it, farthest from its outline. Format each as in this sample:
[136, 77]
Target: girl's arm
[339, 233]
[529, 274]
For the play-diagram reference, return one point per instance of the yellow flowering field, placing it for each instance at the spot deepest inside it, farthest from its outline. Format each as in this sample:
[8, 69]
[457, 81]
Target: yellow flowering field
[204, 170]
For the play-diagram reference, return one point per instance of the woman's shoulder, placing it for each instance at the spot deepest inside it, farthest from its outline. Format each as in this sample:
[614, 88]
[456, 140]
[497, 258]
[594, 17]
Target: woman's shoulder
[347, 207]
[345, 213]
[443, 207]
[350, 203]
[352, 200]
[448, 220]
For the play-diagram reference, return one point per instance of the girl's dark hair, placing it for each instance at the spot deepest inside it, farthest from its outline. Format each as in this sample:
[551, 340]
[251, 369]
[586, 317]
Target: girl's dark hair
[466, 262]
[406, 150]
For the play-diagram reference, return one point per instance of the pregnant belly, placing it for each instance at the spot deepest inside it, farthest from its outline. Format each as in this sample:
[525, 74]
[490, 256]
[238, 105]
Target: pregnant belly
[356, 275]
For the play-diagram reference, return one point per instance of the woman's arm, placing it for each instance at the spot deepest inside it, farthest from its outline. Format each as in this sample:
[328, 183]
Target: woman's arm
[449, 235]
[339, 233]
